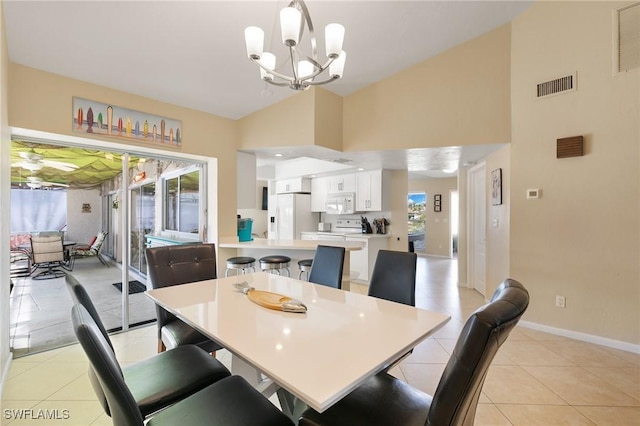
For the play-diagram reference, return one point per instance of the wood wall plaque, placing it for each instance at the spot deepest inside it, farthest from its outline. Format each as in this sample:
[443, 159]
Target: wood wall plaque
[570, 147]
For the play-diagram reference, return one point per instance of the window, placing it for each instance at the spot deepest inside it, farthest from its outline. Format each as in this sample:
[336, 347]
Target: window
[182, 202]
[34, 210]
[416, 207]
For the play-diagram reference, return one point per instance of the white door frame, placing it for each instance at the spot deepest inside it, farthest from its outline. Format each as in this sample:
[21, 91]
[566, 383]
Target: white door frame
[476, 204]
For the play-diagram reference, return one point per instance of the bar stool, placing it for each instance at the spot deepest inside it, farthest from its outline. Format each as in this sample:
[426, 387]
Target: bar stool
[305, 266]
[275, 263]
[241, 264]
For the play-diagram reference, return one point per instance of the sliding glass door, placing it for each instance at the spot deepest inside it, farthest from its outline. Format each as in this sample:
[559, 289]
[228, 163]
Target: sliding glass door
[143, 206]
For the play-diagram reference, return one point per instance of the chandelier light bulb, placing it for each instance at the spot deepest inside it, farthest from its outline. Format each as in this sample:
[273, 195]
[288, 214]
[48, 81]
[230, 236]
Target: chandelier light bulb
[254, 39]
[305, 69]
[268, 60]
[290, 19]
[333, 38]
[337, 66]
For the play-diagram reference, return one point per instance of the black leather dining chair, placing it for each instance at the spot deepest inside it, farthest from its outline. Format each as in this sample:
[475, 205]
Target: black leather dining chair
[156, 382]
[327, 266]
[386, 400]
[229, 401]
[175, 265]
[394, 277]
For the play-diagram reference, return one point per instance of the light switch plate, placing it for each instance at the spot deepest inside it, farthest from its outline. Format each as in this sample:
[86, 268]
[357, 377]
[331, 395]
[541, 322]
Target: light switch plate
[533, 193]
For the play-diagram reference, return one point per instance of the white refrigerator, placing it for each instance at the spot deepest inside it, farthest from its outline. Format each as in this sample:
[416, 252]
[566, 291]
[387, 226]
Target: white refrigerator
[293, 216]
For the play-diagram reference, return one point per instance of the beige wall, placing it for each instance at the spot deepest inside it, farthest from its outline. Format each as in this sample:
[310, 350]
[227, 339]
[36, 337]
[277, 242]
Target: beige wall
[42, 101]
[438, 224]
[460, 97]
[287, 123]
[581, 239]
[5, 194]
[311, 117]
[398, 239]
[498, 221]
[328, 120]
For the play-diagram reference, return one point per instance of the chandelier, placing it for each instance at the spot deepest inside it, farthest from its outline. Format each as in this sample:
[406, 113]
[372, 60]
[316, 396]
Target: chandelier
[304, 68]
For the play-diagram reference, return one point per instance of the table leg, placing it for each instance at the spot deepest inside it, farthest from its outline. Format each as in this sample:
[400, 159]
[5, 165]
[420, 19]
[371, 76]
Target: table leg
[289, 404]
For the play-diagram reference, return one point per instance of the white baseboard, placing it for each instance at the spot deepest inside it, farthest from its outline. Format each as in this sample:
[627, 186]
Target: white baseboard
[5, 374]
[598, 340]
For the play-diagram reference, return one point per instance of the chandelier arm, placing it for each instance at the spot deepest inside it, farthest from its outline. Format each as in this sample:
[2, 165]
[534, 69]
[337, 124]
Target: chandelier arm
[275, 83]
[312, 36]
[274, 72]
[321, 68]
[292, 52]
[318, 83]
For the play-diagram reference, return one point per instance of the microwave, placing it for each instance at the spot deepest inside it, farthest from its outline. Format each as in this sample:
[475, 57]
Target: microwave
[340, 203]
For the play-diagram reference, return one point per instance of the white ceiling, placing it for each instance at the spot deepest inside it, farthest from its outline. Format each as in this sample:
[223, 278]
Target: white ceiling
[192, 54]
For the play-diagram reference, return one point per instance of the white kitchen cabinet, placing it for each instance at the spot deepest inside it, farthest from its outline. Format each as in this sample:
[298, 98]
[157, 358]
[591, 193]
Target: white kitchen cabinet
[319, 191]
[342, 183]
[362, 261]
[287, 186]
[371, 190]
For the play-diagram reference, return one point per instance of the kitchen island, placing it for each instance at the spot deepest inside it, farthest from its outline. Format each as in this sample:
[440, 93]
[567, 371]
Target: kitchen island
[295, 249]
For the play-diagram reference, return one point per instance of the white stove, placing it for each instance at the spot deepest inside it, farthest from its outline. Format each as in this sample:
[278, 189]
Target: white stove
[348, 226]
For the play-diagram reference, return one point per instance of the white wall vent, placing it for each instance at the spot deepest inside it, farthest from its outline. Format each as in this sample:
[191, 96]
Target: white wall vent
[556, 86]
[628, 38]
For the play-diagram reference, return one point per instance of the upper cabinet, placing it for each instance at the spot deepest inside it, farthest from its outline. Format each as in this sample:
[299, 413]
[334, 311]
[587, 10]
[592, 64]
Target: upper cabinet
[342, 183]
[285, 186]
[319, 191]
[372, 191]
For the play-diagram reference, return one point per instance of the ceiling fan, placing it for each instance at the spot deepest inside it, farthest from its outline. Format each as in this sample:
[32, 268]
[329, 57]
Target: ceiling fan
[34, 162]
[35, 182]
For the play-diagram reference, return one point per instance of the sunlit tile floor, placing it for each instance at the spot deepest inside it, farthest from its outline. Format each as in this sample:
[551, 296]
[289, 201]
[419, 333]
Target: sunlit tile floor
[536, 378]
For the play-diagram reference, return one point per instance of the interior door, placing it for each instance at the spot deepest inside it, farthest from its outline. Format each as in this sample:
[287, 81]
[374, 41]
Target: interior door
[477, 228]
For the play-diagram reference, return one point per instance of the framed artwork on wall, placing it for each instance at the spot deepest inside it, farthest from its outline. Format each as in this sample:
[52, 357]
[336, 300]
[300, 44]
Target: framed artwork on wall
[496, 187]
[437, 202]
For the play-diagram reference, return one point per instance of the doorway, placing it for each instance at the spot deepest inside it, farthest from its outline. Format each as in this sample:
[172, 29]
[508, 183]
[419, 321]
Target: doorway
[477, 185]
[119, 311]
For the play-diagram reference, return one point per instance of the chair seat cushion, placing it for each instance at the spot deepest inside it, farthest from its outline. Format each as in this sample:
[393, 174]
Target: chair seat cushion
[305, 262]
[178, 333]
[381, 400]
[170, 376]
[231, 401]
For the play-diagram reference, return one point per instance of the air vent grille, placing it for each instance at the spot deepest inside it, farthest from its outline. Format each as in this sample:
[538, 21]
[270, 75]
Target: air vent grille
[556, 86]
[629, 38]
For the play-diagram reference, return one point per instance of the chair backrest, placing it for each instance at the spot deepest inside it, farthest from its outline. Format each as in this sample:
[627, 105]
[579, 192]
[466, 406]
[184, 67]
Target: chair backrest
[47, 249]
[394, 277]
[123, 407]
[456, 397]
[179, 264]
[327, 266]
[81, 297]
[97, 243]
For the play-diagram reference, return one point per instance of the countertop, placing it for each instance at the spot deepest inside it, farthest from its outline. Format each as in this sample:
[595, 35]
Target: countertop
[348, 234]
[262, 243]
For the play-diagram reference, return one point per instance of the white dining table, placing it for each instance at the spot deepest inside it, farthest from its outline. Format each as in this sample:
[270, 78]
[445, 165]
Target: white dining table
[316, 357]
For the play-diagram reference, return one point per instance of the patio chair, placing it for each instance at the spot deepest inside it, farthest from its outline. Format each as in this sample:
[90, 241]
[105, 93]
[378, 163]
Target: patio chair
[48, 253]
[92, 249]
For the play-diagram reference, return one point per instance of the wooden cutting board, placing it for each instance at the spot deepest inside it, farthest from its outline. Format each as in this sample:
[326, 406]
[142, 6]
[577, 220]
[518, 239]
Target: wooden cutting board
[268, 299]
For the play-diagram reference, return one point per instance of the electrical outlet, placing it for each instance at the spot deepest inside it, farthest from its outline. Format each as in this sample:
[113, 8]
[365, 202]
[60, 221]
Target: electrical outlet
[560, 302]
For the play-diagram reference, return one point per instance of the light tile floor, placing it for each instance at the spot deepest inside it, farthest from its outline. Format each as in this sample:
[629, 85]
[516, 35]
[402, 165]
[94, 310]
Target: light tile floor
[536, 378]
